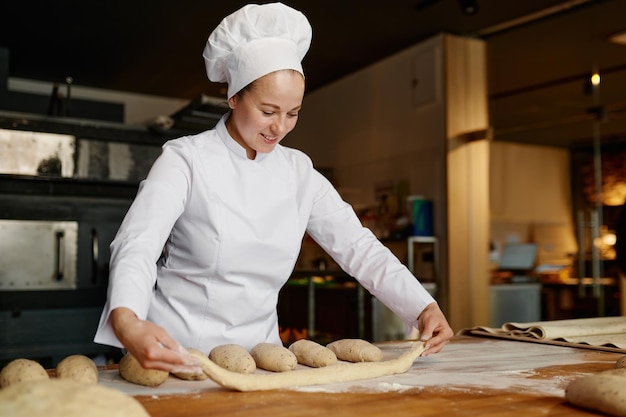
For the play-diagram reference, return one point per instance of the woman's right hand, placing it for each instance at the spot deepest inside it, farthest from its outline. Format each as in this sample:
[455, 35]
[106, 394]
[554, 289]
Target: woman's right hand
[151, 345]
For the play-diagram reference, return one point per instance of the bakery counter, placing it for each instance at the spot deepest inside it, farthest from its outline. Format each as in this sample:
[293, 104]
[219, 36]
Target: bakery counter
[473, 376]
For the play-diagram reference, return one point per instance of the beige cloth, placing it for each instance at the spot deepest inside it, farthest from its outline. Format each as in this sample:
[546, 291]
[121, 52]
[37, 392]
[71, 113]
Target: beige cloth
[597, 331]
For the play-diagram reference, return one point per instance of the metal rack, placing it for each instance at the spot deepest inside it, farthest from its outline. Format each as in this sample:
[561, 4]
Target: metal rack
[424, 240]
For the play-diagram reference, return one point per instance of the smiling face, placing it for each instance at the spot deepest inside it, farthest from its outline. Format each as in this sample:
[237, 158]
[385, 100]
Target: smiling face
[265, 111]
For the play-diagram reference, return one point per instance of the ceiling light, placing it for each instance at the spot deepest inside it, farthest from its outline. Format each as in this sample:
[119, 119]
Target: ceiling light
[619, 38]
[595, 79]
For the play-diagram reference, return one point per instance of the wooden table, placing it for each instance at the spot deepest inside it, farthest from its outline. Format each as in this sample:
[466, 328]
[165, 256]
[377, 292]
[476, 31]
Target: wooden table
[473, 376]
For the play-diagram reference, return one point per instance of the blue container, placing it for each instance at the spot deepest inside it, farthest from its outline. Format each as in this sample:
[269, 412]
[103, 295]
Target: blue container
[422, 216]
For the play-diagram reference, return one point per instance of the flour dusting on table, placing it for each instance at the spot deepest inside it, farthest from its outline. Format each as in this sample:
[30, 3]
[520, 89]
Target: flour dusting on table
[470, 366]
[490, 365]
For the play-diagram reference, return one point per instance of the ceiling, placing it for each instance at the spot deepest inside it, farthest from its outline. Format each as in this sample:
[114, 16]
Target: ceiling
[540, 52]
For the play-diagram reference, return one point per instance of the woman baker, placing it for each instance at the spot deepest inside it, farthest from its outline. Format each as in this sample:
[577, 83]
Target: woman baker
[216, 227]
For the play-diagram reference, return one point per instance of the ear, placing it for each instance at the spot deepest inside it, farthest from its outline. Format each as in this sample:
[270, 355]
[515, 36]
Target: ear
[232, 102]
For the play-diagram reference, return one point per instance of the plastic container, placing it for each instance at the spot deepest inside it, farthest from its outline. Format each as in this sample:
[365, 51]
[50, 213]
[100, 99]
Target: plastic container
[421, 215]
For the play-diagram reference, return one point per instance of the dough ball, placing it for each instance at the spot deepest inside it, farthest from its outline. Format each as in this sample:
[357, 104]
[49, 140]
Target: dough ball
[356, 350]
[78, 367]
[20, 370]
[312, 354]
[621, 362]
[188, 376]
[67, 398]
[273, 357]
[234, 358]
[604, 392]
[132, 371]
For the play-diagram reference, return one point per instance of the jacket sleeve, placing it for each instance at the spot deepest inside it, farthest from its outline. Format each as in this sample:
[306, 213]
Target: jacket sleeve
[334, 225]
[139, 241]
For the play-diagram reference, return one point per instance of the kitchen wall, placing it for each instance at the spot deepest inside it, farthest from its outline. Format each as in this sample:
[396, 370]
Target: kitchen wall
[378, 127]
[369, 128]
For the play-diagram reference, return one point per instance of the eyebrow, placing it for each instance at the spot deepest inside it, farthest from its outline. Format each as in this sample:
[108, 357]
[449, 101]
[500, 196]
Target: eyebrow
[278, 108]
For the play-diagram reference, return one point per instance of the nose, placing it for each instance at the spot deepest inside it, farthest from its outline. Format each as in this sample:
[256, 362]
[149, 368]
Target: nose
[280, 126]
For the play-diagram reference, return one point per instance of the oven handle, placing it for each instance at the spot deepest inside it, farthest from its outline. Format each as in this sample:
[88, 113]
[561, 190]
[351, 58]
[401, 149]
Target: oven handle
[94, 256]
[60, 246]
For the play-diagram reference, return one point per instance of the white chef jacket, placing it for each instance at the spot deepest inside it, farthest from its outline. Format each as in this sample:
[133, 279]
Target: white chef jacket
[212, 236]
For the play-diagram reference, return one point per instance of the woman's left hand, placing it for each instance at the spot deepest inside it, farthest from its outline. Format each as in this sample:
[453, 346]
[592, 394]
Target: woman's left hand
[434, 329]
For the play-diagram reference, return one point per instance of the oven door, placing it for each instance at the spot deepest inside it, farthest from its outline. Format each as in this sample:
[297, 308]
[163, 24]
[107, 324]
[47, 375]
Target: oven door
[38, 255]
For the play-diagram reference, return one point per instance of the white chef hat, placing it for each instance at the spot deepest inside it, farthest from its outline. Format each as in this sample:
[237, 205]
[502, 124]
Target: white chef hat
[254, 41]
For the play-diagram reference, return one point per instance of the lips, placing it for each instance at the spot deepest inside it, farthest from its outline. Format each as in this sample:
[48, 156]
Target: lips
[269, 138]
